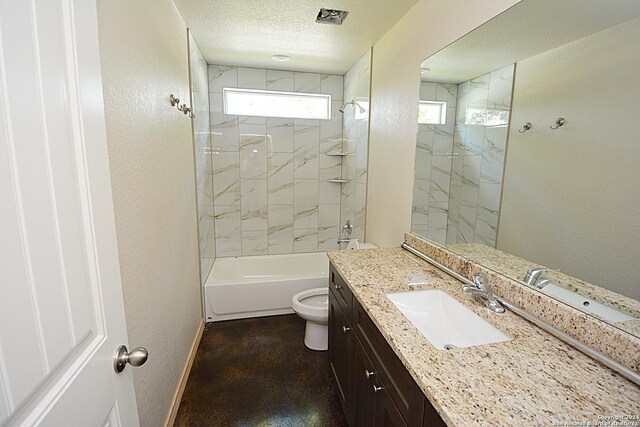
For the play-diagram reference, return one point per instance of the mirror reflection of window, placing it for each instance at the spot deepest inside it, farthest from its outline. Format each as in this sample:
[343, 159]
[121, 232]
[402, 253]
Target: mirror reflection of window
[487, 117]
[432, 112]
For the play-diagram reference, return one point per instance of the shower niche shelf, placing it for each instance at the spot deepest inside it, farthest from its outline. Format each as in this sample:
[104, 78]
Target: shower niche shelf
[337, 153]
[337, 180]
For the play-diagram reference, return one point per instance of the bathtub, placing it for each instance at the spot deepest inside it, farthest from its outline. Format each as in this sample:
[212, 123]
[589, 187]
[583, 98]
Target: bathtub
[254, 286]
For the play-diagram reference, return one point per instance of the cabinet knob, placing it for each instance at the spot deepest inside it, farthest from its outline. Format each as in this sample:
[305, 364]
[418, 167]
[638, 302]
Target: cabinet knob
[338, 287]
[376, 388]
[345, 329]
[368, 373]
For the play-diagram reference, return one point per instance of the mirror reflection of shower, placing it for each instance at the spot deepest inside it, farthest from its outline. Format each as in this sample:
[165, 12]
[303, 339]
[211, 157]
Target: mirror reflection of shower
[361, 109]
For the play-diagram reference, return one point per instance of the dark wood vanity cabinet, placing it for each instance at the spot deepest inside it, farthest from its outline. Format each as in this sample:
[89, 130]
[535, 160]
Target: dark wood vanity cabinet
[375, 389]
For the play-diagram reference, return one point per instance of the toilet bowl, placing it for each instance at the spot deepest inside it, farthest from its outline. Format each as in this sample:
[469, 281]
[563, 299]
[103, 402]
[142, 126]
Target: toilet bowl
[313, 306]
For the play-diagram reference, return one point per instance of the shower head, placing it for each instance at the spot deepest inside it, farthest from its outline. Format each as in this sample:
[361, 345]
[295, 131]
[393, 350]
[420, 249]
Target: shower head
[341, 109]
[361, 109]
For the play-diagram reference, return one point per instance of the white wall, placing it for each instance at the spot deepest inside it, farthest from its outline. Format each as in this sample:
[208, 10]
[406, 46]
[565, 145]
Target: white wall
[427, 27]
[143, 51]
[571, 197]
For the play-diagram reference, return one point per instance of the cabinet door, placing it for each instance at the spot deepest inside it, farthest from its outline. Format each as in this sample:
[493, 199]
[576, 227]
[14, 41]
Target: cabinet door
[387, 414]
[364, 380]
[342, 292]
[404, 391]
[340, 345]
[431, 416]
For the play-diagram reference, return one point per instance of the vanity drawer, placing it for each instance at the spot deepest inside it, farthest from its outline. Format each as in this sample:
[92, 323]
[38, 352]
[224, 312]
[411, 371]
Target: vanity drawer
[341, 290]
[404, 391]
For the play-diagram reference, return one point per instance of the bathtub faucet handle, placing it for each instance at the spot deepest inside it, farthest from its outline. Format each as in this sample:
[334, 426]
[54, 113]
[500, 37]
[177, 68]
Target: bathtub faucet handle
[347, 227]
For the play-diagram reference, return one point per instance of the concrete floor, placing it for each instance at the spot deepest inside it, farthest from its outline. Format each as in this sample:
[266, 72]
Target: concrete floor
[257, 372]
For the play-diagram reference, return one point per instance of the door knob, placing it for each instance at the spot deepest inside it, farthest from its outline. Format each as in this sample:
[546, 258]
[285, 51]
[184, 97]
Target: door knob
[137, 357]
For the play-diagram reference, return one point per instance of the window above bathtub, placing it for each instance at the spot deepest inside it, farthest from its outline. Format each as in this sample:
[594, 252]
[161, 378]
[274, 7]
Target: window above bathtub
[268, 103]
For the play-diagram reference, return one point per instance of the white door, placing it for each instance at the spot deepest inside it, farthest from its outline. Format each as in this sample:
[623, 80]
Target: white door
[61, 309]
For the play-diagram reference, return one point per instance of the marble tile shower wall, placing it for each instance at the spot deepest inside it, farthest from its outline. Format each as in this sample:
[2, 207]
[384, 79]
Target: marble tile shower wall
[269, 194]
[480, 141]
[434, 148]
[357, 82]
[202, 147]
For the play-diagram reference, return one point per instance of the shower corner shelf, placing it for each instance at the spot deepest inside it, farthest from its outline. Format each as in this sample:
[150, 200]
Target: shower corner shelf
[337, 153]
[337, 180]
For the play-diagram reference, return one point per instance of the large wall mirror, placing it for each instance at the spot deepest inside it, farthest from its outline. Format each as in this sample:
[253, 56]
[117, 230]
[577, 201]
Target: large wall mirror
[528, 151]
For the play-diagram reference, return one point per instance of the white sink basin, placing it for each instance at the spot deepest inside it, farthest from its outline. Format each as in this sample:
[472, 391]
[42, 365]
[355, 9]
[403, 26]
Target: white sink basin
[444, 321]
[585, 304]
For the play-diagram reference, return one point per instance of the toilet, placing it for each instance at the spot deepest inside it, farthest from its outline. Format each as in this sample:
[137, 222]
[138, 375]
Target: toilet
[313, 306]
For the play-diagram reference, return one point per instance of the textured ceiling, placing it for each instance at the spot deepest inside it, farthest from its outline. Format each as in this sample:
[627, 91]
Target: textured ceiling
[249, 32]
[525, 30]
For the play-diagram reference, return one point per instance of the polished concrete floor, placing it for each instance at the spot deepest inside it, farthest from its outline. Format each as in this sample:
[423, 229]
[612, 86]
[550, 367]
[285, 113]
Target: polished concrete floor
[257, 372]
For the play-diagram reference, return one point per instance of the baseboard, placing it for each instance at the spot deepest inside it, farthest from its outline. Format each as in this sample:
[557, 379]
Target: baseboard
[175, 405]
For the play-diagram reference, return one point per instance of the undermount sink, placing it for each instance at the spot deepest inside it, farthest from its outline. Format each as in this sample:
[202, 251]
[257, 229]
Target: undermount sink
[585, 304]
[444, 321]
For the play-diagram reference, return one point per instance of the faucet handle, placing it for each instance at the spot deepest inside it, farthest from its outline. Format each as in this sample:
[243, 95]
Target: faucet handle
[480, 280]
[534, 273]
[347, 227]
[542, 282]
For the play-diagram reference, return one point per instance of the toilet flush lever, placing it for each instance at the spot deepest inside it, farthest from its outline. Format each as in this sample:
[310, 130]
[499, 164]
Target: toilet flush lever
[137, 357]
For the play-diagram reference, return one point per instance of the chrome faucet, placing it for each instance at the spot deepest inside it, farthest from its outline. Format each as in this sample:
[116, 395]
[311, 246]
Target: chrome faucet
[534, 277]
[481, 291]
[343, 240]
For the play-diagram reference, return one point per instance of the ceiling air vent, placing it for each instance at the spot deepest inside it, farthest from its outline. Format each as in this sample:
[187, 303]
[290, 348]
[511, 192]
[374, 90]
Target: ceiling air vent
[331, 16]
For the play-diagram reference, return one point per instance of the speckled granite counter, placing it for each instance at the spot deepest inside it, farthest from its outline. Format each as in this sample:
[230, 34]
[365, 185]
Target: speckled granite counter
[534, 379]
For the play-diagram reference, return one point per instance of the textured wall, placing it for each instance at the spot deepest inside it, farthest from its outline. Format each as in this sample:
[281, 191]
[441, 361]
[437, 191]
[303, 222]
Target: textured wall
[269, 174]
[143, 50]
[199, 78]
[570, 197]
[355, 131]
[427, 27]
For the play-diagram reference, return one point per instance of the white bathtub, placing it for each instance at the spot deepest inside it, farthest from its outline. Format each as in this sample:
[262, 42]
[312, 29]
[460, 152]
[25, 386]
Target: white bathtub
[253, 286]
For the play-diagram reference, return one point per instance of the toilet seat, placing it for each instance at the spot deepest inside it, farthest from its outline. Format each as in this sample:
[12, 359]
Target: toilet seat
[312, 304]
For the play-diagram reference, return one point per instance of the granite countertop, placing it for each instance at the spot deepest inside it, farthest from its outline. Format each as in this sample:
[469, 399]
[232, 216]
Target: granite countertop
[534, 379]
